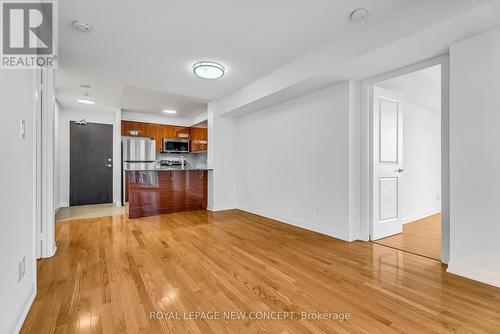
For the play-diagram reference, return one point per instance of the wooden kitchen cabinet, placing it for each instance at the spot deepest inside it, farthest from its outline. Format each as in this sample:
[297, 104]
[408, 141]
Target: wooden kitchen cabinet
[143, 129]
[169, 131]
[164, 131]
[182, 132]
[199, 134]
[161, 192]
[199, 147]
[199, 139]
[157, 132]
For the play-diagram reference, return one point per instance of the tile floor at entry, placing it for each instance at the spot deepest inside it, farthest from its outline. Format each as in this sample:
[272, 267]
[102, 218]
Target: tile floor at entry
[88, 211]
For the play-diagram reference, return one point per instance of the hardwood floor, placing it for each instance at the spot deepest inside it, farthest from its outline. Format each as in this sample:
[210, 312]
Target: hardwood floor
[110, 273]
[421, 237]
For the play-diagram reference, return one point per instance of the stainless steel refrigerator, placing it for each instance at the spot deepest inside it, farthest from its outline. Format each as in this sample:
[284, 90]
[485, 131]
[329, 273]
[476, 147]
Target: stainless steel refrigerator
[138, 153]
[138, 149]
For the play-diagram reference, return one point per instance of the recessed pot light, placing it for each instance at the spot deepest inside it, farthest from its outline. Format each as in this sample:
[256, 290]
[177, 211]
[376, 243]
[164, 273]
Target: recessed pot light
[209, 69]
[169, 111]
[86, 101]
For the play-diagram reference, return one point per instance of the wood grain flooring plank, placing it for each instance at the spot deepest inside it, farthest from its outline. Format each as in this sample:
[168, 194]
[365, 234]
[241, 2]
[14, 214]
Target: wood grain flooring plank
[118, 275]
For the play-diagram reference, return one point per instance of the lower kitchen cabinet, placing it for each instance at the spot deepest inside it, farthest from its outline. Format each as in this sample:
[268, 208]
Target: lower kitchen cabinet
[153, 193]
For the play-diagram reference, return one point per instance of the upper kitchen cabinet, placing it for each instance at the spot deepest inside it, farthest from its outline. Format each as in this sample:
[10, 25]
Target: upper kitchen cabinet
[182, 132]
[170, 131]
[139, 129]
[199, 134]
[199, 137]
[164, 131]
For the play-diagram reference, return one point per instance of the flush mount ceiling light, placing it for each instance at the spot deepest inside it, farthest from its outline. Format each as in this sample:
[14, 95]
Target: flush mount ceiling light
[86, 101]
[359, 15]
[169, 111]
[208, 69]
[81, 26]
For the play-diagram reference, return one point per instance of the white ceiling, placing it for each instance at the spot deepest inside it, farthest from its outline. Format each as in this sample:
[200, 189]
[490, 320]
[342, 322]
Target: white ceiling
[152, 44]
[154, 102]
[421, 87]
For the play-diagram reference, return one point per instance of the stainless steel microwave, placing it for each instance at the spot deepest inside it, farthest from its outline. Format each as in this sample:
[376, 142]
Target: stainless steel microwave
[175, 145]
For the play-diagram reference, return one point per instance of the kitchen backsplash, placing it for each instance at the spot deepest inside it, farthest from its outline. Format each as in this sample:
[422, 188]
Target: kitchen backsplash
[196, 160]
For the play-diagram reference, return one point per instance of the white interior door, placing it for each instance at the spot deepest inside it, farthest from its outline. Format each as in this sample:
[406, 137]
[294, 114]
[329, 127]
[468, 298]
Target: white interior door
[387, 163]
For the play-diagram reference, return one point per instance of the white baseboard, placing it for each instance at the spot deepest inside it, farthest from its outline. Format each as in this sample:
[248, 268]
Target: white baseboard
[54, 251]
[413, 218]
[21, 320]
[63, 205]
[294, 222]
[475, 274]
[222, 208]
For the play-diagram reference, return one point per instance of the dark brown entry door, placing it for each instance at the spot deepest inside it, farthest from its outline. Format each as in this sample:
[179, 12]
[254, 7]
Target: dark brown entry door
[91, 164]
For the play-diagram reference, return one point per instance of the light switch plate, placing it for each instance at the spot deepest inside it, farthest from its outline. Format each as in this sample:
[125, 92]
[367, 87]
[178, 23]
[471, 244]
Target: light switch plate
[22, 130]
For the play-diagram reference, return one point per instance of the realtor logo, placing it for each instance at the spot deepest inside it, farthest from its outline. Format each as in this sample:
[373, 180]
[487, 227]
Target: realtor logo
[28, 31]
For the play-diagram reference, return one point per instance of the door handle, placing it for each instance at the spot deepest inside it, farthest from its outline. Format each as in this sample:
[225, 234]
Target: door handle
[108, 165]
[399, 170]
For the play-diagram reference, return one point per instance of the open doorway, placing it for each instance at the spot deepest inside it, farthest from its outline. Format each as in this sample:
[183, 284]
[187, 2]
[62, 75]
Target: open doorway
[406, 161]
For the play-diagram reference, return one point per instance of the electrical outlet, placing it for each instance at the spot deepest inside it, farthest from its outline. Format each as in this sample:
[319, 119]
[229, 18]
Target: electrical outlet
[19, 271]
[438, 197]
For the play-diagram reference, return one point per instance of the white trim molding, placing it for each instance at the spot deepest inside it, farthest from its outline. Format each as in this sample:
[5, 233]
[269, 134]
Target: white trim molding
[222, 208]
[475, 274]
[367, 150]
[26, 309]
[342, 235]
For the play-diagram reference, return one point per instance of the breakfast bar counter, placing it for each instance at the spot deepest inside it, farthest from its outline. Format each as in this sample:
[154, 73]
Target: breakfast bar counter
[163, 190]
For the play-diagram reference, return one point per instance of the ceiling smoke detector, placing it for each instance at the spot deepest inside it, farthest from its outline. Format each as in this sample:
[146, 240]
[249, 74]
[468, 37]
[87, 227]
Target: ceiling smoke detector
[81, 26]
[359, 15]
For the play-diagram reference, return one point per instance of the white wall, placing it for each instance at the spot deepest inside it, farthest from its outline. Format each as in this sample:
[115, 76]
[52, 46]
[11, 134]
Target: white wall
[222, 157]
[294, 161]
[17, 199]
[160, 119]
[421, 180]
[475, 158]
[65, 117]
[157, 119]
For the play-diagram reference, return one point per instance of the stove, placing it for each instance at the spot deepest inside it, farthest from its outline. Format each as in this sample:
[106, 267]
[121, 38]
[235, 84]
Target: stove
[172, 162]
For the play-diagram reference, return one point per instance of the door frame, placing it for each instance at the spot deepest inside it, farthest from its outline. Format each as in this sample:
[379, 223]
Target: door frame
[65, 118]
[367, 141]
[45, 105]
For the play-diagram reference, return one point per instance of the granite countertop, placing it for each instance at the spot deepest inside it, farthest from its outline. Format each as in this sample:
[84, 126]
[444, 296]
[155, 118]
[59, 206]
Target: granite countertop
[154, 167]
